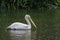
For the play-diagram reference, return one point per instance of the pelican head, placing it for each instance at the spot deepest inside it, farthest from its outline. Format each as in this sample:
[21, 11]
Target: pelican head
[28, 19]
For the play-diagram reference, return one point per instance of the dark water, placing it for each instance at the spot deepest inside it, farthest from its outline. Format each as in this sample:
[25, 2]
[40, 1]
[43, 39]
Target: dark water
[47, 21]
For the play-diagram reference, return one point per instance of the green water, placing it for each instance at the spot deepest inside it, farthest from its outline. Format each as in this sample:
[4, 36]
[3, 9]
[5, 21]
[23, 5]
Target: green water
[47, 21]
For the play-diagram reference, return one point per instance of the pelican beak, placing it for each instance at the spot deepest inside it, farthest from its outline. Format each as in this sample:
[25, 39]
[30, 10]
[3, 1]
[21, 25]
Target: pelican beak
[32, 22]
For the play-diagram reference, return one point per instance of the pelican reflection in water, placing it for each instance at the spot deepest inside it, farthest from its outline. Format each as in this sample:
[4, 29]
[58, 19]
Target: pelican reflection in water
[20, 34]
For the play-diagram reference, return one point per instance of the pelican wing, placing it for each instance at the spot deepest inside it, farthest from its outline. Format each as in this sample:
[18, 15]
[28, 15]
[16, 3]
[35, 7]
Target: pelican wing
[18, 25]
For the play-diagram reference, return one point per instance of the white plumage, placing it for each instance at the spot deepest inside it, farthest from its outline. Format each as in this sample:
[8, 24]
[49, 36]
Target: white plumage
[18, 25]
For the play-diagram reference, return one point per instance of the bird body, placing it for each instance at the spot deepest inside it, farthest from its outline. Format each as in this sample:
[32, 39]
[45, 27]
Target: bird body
[18, 25]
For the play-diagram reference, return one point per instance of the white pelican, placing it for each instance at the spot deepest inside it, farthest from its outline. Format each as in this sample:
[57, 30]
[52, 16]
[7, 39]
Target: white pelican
[18, 25]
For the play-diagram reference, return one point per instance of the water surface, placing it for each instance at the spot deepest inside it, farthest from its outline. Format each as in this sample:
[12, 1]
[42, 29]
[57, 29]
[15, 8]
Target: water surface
[48, 25]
